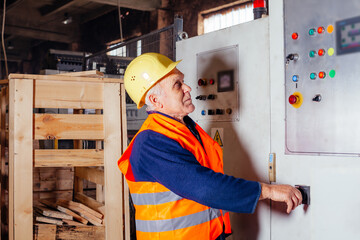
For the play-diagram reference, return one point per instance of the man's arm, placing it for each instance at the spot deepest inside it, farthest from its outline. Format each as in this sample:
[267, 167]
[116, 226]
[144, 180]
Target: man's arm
[281, 193]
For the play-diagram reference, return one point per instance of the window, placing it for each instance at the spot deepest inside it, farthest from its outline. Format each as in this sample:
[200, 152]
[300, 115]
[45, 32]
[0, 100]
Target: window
[121, 51]
[226, 16]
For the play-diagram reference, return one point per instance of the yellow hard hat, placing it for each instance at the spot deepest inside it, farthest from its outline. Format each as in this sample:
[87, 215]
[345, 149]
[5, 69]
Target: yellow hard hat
[143, 72]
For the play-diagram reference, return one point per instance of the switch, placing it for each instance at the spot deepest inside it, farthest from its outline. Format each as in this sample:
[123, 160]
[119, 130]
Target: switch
[211, 97]
[305, 193]
[317, 98]
[296, 99]
[219, 111]
[201, 82]
[211, 112]
[201, 97]
[293, 57]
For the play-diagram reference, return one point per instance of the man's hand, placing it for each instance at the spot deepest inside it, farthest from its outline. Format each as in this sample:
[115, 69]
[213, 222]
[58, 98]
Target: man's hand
[282, 193]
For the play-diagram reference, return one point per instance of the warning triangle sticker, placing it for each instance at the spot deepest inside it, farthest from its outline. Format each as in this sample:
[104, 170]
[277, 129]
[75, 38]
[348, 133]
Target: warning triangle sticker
[217, 138]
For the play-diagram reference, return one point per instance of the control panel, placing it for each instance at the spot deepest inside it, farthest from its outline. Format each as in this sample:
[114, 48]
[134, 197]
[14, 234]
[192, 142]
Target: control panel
[216, 93]
[322, 54]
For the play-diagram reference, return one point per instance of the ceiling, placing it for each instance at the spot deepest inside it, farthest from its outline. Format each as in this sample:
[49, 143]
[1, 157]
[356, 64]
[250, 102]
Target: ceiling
[30, 22]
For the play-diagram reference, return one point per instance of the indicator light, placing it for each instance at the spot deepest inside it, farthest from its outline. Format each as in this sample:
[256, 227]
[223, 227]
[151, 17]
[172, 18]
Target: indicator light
[332, 73]
[312, 31]
[211, 81]
[312, 76]
[321, 52]
[331, 51]
[295, 78]
[321, 30]
[312, 53]
[201, 82]
[330, 28]
[203, 112]
[293, 99]
[228, 110]
[294, 36]
[322, 75]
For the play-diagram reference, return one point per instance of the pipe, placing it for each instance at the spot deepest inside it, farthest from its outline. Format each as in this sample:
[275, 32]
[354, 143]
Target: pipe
[259, 8]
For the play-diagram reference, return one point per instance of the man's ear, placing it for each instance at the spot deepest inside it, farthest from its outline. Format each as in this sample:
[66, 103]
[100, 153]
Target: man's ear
[154, 99]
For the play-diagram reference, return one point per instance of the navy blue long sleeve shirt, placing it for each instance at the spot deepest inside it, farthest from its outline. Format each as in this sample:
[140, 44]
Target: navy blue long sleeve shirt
[157, 158]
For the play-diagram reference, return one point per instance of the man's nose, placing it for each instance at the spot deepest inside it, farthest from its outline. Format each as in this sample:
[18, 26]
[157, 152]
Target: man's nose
[186, 88]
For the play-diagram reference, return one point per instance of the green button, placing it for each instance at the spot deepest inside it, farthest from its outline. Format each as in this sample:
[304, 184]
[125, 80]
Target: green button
[312, 53]
[332, 73]
[312, 76]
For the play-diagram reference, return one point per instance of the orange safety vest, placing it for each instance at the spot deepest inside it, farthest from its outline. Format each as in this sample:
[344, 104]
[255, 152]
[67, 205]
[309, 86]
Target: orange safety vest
[162, 214]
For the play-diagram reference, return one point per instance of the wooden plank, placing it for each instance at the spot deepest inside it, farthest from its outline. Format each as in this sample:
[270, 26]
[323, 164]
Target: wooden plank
[82, 206]
[68, 126]
[48, 220]
[124, 146]
[68, 157]
[80, 232]
[112, 152]
[90, 174]
[57, 77]
[20, 159]
[83, 213]
[51, 213]
[45, 232]
[90, 202]
[53, 204]
[72, 223]
[3, 103]
[68, 94]
[90, 73]
[4, 81]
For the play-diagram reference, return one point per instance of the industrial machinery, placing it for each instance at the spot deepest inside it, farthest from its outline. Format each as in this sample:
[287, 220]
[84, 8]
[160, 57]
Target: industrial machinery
[279, 94]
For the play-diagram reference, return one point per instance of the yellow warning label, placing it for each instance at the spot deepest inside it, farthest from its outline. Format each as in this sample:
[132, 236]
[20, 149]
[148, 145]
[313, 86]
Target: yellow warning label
[217, 138]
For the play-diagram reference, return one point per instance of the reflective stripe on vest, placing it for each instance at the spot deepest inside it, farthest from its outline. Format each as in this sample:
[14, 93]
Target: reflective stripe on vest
[177, 223]
[154, 198]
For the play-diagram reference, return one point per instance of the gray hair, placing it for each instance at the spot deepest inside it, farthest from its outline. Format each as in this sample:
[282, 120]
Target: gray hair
[157, 90]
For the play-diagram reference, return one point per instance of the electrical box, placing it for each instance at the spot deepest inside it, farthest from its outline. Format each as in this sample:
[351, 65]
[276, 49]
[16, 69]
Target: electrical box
[322, 52]
[216, 92]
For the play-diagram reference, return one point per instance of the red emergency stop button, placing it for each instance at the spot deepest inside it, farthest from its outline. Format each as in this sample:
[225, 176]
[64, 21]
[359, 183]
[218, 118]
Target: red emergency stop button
[296, 99]
[293, 99]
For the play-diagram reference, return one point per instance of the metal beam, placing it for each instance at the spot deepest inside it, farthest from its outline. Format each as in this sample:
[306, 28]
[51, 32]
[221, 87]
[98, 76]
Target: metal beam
[143, 5]
[38, 34]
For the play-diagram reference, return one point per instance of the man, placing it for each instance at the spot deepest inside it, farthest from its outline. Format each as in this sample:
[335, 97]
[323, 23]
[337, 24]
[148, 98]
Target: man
[175, 170]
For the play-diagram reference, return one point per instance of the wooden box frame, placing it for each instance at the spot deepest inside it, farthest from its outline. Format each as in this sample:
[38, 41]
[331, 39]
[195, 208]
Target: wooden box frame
[27, 92]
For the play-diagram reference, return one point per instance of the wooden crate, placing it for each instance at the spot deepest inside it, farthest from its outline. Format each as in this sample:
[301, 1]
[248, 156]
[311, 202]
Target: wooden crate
[78, 92]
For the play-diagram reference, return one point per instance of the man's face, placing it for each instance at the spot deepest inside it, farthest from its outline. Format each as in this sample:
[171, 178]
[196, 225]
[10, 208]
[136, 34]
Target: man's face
[175, 99]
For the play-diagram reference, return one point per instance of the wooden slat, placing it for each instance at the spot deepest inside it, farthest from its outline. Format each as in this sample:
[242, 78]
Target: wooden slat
[20, 159]
[112, 152]
[94, 175]
[90, 73]
[68, 157]
[68, 126]
[3, 138]
[45, 232]
[61, 94]
[69, 232]
[92, 203]
[57, 77]
[124, 146]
